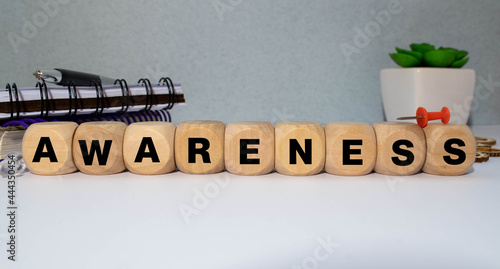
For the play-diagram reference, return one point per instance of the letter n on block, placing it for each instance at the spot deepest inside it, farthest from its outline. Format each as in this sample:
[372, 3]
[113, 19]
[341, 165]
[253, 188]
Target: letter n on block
[300, 148]
[47, 148]
[199, 147]
[98, 147]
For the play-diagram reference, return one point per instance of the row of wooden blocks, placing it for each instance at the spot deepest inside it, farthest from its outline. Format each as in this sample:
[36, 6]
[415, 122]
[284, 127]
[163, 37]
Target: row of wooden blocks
[248, 148]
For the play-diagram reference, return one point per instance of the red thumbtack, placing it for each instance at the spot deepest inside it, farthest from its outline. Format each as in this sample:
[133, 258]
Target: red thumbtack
[423, 116]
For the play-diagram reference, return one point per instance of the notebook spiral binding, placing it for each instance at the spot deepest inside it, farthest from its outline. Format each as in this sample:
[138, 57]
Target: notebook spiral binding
[72, 95]
[44, 98]
[125, 94]
[15, 106]
[145, 114]
[128, 118]
[10, 89]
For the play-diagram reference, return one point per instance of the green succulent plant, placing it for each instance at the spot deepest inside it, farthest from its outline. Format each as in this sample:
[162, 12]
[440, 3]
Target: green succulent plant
[426, 55]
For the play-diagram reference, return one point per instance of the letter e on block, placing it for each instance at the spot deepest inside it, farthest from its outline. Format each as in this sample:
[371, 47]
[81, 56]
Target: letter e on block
[300, 148]
[199, 147]
[351, 148]
[249, 148]
[401, 148]
[47, 148]
[148, 147]
[98, 147]
[451, 149]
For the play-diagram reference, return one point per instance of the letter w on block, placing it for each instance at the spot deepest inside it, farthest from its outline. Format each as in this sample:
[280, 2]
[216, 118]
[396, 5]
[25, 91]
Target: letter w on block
[102, 141]
[95, 148]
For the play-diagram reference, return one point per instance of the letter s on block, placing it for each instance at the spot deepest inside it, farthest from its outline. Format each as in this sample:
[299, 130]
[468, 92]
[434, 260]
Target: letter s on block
[456, 151]
[396, 147]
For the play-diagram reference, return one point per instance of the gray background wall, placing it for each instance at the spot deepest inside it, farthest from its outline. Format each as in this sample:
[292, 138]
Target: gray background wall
[250, 59]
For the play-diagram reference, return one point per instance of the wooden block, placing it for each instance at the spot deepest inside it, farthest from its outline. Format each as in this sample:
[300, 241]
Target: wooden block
[401, 148]
[148, 147]
[199, 147]
[98, 147]
[451, 149]
[351, 148]
[300, 148]
[249, 147]
[47, 148]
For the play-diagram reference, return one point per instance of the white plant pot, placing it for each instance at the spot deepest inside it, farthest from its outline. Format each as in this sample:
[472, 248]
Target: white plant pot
[406, 89]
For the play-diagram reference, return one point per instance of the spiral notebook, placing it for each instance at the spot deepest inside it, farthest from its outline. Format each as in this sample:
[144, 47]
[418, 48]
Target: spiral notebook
[44, 101]
[143, 101]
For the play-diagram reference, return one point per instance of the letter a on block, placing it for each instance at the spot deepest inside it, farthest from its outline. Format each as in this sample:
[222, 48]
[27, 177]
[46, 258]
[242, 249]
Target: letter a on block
[451, 149]
[300, 148]
[98, 147]
[148, 147]
[199, 147]
[47, 148]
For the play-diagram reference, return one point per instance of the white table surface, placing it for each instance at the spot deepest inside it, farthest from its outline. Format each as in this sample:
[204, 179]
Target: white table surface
[272, 221]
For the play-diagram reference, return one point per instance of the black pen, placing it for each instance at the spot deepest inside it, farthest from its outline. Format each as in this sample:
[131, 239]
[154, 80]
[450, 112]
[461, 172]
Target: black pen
[64, 77]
